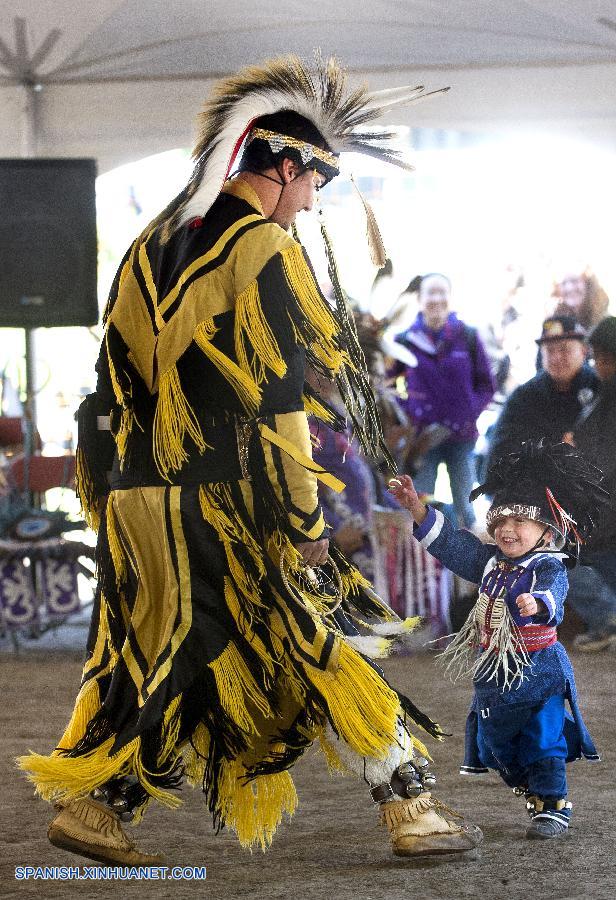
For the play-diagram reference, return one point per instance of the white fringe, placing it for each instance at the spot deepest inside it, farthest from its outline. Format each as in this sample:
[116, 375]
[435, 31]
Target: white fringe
[505, 655]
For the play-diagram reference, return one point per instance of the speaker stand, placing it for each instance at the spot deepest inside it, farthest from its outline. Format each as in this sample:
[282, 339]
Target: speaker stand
[29, 411]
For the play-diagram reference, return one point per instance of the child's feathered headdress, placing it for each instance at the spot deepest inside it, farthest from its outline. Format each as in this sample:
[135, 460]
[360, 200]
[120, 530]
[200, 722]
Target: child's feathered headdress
[549, 483]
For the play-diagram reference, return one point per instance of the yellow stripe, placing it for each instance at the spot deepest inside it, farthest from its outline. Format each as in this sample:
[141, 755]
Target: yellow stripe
[216, 250]
[146, 270]
[302, 459]
[184, 589]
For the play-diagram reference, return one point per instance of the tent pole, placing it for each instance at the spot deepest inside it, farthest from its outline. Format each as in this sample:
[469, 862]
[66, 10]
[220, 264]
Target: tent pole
[29, 149]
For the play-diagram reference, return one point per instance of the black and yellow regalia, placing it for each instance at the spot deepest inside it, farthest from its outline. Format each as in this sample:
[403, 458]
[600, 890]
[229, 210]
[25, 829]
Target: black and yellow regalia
[211, 654]
[202, 659]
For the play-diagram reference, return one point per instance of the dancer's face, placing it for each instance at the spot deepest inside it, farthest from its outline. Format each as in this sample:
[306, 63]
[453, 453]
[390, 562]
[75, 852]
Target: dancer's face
[300, 186]
[515, 535]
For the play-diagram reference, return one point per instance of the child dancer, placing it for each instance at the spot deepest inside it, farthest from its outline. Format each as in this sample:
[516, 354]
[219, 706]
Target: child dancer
[544, 499]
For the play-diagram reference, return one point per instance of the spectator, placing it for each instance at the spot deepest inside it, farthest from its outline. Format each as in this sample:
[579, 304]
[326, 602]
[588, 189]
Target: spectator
[447, 389]
[593, 584]
[580, 295]
[549, 404]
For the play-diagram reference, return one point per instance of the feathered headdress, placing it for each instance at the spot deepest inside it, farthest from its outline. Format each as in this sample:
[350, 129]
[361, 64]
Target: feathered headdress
[322, 97]
[549, 483]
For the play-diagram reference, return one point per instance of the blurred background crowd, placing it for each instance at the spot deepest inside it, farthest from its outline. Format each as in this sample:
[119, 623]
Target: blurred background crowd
[471, 347]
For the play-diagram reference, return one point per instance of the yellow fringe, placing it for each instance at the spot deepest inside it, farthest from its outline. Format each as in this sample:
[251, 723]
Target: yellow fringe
[195, 756]
[174, 418]
[313, 306]
[117, 389]
[251, 323]
[420, 746]
[352, 581]
[243, 623]
[127, 418]
[237, 687]
[335, 765]
[64, 778]
[363, 709]
[87, 704]
[85, 491]
[115, 543]
[242, 383]
[254, 810]
[171, 730]
[215, 501]
[312, 407]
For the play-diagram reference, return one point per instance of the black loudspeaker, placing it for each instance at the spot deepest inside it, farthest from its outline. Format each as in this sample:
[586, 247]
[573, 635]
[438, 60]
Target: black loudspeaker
[47, 243]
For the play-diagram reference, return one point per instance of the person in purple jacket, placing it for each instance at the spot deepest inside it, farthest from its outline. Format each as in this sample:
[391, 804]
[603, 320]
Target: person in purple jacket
[449, 387]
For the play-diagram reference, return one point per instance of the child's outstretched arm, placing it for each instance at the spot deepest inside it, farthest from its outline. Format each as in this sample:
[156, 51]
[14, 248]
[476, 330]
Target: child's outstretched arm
[458, 550]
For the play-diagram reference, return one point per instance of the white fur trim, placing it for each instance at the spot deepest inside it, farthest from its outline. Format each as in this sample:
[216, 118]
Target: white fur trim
[377, 771]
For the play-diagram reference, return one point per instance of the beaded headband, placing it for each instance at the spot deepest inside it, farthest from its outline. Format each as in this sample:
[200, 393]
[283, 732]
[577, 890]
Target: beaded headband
[307, 151]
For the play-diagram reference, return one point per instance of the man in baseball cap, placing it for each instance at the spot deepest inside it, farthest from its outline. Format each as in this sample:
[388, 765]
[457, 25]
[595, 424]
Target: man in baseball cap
[549, 403]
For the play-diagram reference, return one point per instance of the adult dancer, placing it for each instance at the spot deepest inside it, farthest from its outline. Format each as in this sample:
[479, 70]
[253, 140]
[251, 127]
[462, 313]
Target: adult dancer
[216, 650]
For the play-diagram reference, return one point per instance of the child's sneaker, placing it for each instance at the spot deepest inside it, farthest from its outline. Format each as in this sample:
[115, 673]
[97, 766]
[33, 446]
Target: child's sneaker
[550, 818]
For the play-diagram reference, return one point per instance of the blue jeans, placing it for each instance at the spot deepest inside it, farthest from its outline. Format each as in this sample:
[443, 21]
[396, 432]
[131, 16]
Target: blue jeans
[592, 590]
[458, 459]
[526, 746]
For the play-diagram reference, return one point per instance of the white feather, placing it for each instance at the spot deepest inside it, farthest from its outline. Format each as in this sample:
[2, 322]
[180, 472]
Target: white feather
[368, 645]
[262, 102]
[251, 107]
[397, 627]
[398, 96]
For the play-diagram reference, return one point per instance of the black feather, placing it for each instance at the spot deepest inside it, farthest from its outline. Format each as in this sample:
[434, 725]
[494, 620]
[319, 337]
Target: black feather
[574, 481]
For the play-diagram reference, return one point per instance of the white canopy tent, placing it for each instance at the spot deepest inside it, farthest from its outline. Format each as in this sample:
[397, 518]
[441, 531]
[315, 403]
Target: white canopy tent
[122, 79]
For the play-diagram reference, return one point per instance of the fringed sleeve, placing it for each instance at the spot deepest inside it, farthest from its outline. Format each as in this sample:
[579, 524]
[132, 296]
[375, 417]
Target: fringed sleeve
[287, 451]
[274, 349]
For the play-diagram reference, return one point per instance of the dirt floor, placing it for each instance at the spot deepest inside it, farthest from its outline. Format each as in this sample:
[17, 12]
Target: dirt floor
[333, 847]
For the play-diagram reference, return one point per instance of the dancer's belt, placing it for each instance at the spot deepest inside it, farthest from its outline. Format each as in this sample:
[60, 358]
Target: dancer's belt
[534, 637]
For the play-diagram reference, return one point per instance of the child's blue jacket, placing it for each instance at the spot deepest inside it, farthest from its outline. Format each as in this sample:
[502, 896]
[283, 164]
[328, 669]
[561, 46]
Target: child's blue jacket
[545, 577]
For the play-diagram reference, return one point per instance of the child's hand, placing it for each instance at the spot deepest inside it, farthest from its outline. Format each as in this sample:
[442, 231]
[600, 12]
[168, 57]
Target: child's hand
[527, 605]
[404, 491]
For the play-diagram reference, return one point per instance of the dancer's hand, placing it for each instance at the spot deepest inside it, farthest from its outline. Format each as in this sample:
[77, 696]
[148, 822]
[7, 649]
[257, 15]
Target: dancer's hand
[527, 605]
[404, 492]
[349, 537]
[314, 553]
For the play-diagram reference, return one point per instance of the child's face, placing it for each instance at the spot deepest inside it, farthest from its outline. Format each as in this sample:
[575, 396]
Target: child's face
[515, 535]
